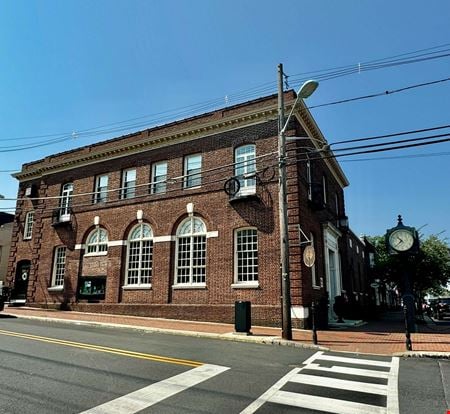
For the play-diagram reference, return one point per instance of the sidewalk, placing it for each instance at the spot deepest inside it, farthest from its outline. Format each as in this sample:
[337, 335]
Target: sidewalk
[384, 337]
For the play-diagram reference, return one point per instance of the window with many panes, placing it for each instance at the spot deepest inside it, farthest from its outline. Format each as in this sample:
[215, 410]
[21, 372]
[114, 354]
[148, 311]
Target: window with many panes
[101, 189]
[59, 266]
[128, 184]
[97, 241]
[65, 202]
[159, 177]
[28, 229]
[193, 170]
[246, 255]
[191, 252]
[140, 256]
[245, 167]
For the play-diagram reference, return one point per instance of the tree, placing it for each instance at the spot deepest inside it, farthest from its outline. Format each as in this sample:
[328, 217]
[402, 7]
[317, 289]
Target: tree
[430, 269]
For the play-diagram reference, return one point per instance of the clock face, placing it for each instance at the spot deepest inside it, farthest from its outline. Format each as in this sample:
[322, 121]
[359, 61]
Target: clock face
[401, 240]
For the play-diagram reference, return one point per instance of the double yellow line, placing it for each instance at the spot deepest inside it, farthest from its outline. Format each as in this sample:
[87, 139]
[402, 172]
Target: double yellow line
[106, 349]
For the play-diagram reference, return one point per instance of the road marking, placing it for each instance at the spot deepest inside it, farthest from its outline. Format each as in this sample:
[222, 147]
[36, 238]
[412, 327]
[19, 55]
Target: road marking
[155, 393]
[330, 405]
[269, 394]
[340, 384]
[351, 371]
[355, 361]
[392, 394]
[105, 349]
[276, 395]
[313, 358]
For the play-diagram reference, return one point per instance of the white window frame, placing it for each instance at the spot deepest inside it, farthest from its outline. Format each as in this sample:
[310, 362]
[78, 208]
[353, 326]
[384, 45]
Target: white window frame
[308, 178]
[192, 179]
[159, 181]
[101, 191]
[94, 245]
[65, 202]
[142, 242]
[254, 280]
[128, 190]
[28, 228]
[245, 165]
[59, 268]
[190, 238]
[324, 188]
[314, 274]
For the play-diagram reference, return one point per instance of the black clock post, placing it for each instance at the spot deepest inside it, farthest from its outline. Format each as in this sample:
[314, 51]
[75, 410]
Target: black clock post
[403, 241]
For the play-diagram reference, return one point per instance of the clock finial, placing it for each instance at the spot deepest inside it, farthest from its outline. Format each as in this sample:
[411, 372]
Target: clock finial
[400, 220]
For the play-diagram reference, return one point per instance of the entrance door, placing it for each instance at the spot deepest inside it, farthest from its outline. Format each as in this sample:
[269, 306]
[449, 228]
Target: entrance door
[19, 292]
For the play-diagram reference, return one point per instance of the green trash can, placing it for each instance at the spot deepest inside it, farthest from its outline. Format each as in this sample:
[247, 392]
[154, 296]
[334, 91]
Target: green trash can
[242, 316]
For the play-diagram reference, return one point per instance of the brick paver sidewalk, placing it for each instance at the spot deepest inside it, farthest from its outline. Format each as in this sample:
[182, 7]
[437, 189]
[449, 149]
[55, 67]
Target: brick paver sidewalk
[381, 337]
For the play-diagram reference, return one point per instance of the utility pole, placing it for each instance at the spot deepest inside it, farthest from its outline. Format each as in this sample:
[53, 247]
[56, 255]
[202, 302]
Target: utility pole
[282, 207]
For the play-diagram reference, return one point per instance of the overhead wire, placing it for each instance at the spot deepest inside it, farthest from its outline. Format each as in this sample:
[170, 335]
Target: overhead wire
[247, 93]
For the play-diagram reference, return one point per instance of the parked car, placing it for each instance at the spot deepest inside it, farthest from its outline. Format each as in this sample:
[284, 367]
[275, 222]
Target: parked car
[442, 308]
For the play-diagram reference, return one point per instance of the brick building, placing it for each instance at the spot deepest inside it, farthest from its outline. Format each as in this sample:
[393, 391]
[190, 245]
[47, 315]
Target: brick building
[141, 224]
[6, 227]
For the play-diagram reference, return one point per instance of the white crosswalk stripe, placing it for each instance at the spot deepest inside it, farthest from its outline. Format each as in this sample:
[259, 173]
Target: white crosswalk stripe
[324, 377]
[157, 392]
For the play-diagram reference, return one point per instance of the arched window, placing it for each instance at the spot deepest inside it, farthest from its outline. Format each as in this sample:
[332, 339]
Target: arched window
[97, 241]
[140, 256]
[245, 167]
[191, 252]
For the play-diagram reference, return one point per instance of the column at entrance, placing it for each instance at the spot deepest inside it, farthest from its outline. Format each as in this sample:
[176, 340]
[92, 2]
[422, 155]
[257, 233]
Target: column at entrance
[332, 266]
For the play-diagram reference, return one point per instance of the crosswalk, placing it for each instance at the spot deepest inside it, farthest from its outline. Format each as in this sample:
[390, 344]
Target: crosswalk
[357, 386]
[155, 393]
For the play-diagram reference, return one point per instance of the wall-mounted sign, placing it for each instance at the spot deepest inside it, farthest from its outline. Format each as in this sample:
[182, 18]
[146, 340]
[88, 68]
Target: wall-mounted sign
[309, 256]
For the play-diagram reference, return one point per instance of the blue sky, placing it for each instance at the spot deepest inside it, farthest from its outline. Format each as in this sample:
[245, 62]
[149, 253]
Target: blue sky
[71, 65]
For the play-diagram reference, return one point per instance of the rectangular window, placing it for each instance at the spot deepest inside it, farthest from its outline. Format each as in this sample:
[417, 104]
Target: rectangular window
[308, 178]
[314, 275]
[128, 183]
[159, 177]
[59, 266]
[65, 202]
[193, 171]
[101, 189]
[28, 230]
[324, 188]
[246, 255]
[245, 168]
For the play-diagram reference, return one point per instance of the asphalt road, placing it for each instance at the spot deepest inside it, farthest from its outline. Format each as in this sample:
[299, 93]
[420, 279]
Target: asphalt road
[49, 367]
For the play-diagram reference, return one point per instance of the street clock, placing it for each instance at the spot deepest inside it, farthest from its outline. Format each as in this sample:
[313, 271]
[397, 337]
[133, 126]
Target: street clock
[402, 239]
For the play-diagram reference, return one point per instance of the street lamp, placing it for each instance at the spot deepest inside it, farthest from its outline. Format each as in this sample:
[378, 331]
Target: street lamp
[304, 92]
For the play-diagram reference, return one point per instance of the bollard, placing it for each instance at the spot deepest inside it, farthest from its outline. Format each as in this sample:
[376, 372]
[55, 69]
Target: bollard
[313, 321]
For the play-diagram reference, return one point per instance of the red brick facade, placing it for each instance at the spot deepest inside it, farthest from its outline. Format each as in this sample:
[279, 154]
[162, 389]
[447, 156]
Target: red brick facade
[216, 136]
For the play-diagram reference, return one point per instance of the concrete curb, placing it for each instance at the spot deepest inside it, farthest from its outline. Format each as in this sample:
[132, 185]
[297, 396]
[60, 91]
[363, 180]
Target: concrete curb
[423, 354]
[231, 336]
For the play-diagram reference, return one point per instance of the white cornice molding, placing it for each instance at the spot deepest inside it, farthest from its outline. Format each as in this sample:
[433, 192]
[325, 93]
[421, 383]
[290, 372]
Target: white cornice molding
[308, 123]
[114, 150]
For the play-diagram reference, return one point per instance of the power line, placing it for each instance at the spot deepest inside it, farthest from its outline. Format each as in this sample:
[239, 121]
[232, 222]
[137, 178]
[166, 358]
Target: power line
[394, 157]
[96, 133]
[311, 156]
[376, 95]
[247, 93]
[391, 135]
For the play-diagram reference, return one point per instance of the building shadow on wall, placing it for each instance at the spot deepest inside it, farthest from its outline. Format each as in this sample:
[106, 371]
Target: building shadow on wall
[257, 210]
